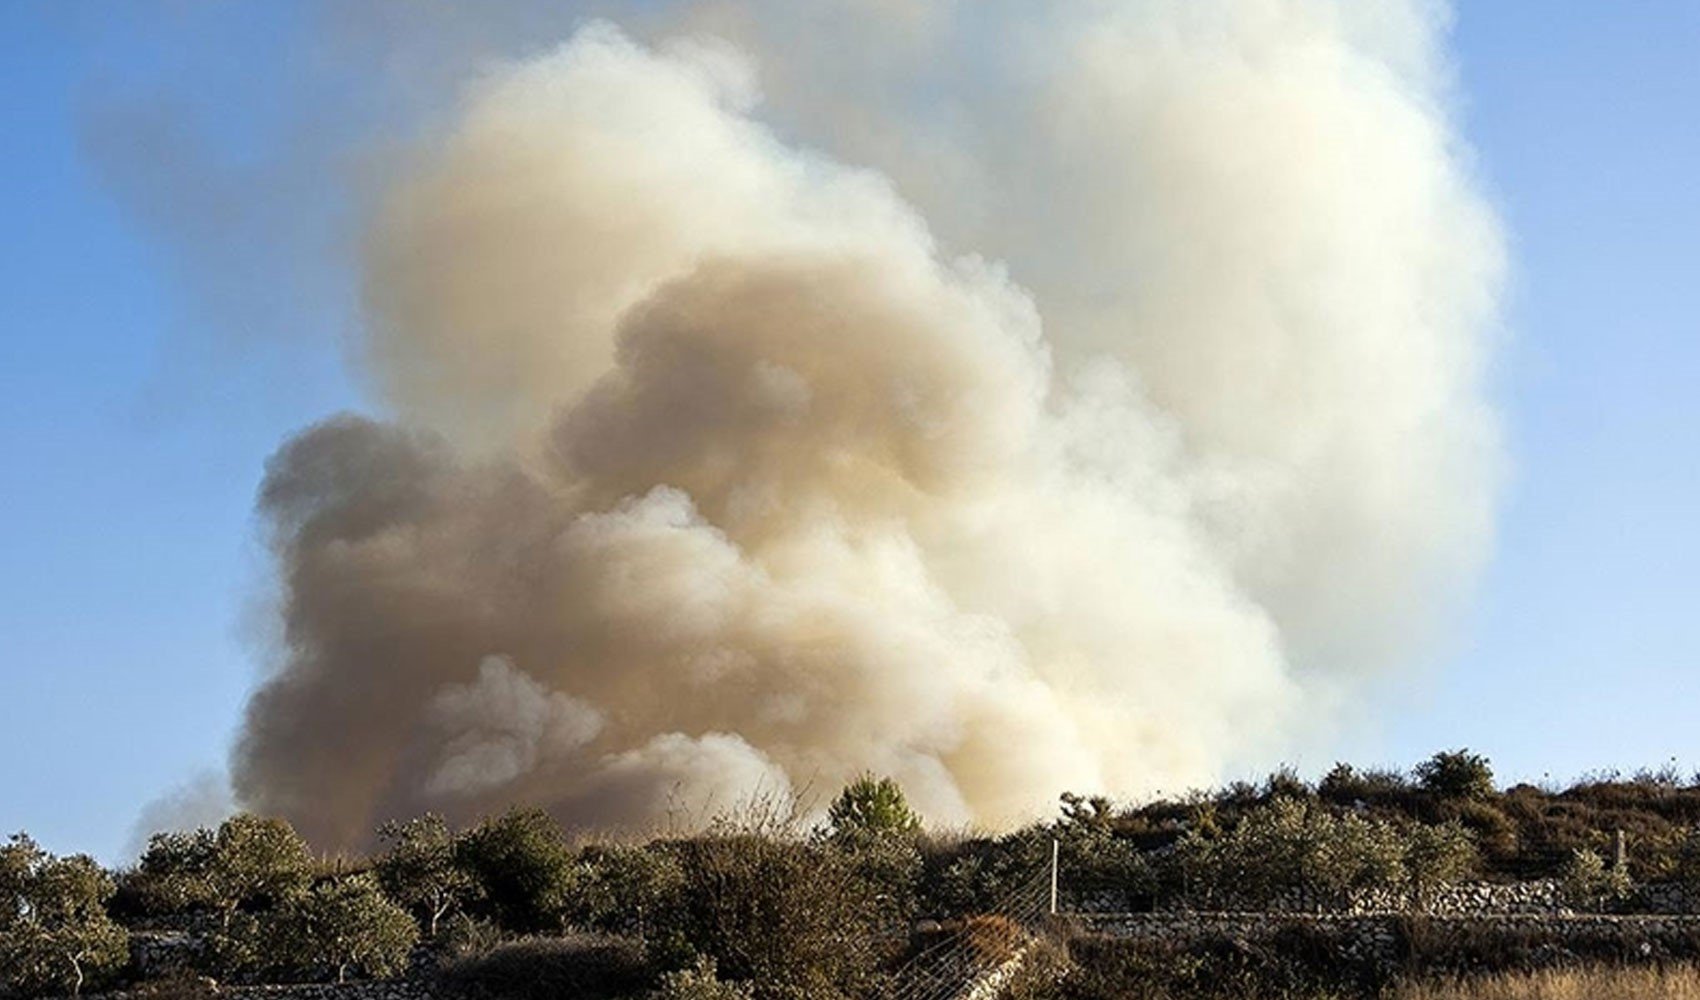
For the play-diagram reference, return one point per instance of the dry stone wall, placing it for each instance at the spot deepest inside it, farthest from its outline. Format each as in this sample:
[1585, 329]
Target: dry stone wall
[1458, 942]
[1663, 897]
[1543, 896]
[1540, 896]
[395, 989]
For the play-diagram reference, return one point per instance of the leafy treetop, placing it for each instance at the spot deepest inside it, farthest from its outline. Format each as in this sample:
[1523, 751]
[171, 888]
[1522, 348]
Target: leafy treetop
[871, 807]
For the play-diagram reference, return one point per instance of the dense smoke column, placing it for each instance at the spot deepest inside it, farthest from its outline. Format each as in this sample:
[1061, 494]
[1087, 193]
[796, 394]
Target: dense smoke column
[712, 474]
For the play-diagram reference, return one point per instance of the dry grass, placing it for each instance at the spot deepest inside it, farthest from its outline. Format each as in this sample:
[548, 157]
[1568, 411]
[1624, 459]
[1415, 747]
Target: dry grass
[1680, 982]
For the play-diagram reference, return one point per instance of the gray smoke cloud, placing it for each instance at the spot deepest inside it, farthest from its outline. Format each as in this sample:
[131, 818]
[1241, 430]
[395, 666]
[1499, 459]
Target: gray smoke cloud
[1012, 401]
[203, 800]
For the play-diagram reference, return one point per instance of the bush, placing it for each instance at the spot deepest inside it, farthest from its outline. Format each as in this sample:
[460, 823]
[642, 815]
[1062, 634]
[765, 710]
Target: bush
[522, 866]
[1296, 961]
[180, 984]
[1589, 884]
[982, 874]
[891, 868]
[1345, 785]
[619, 889]
[587, 966]
[1493, 830]
[1456, 774]
[465, 936]
[1285, 783]
[699, 982]
[796, 920]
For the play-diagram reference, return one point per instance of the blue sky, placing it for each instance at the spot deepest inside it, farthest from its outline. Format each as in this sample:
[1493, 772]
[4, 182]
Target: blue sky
[140, 398]
[1584, 648]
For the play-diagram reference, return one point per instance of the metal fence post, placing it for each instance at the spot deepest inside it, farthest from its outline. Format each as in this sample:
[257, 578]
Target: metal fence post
[1055, 851]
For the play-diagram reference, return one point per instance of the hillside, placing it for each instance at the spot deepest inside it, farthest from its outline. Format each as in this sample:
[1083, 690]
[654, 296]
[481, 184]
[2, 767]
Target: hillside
[1355, 882]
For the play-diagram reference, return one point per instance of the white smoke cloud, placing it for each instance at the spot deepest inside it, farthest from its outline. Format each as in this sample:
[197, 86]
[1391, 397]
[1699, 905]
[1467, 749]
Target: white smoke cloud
[717, 469]
[500, 726]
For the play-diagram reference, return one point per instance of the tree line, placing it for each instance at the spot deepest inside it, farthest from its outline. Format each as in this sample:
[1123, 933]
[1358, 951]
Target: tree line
[759, 905]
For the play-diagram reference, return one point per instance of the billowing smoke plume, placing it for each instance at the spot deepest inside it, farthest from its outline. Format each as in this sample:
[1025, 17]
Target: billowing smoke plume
[719, 468]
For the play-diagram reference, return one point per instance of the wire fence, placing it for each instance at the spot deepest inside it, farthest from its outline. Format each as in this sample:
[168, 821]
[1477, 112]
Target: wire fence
[953, 956]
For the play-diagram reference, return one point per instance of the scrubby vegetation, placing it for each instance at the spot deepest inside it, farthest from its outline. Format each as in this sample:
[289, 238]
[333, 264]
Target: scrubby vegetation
[766, 908]
[1677, 982]
[1305, 962]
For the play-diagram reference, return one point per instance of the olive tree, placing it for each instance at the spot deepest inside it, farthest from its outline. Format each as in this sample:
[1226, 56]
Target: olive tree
[1290, 847]
[1104, 869]
[1435, 855]
[247, 861]
[55, 933]
[257, 860]
[522, 866]
[420, 872]
[619, 889]
[346, 924]
[173, 874]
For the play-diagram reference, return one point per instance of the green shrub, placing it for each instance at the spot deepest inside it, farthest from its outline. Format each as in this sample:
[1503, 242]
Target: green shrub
[1296, 961]
[619, 889]
[794, 919]
[1588, 883]
[172, 875]
[522, 867]
[982, 874]
[699, 982]
[579, 966]
[1456, 774]
[1492, 829]
[1285, 783]
[871, 807]
[465, 936]
[1105, 869]
[891, 869]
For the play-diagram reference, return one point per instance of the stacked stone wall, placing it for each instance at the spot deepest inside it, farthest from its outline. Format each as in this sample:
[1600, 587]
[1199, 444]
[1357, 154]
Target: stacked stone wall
[392, 989]
[1458, 943]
